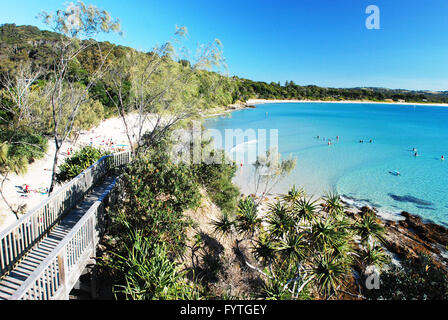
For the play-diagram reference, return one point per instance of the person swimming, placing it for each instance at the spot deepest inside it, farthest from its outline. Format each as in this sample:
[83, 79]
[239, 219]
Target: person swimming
[443, 158]
[415, 154]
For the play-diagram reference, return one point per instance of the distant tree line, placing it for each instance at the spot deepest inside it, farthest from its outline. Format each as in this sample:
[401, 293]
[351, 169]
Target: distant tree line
[247, 89]
[25, 44]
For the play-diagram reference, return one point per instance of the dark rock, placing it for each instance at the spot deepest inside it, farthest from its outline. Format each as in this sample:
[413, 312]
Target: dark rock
[430, 232]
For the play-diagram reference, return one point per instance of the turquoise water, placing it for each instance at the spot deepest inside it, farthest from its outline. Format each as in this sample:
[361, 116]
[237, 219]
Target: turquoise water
[361, 172]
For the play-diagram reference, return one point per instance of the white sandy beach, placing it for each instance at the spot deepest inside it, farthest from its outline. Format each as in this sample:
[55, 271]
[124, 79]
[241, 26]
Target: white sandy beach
[38, 176]
[263, 101]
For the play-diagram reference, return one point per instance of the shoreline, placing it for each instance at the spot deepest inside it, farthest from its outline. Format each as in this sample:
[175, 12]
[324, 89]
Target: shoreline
[265, 101]
[251, 104]
[352, 204]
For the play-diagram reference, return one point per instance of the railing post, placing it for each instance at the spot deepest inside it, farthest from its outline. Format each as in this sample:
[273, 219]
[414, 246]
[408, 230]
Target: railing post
[63, 276]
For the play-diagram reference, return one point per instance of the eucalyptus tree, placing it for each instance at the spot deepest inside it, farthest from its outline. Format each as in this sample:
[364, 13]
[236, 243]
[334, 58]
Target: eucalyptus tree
[16, 121]
[164, 87]
[270, 169]
[78, 25]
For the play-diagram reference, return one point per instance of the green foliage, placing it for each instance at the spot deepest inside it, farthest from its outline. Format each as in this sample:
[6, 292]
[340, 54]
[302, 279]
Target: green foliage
[29, 44]
[19, 149]
[247, 220]
[78, 162]
[149, 273]
[223, 225]
[305, 209]
[280, 219]
[369, 228]
[374, 255]
[149, 227]
[329, 273]
[308, 252]
[418, 279]
[217, 179]
[248, 89]
[155, 193]
[269, 170]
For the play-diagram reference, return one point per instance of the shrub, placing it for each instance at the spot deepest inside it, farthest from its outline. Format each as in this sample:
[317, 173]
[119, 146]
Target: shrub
[149, 274]
[420, 279]
[217, 179]
[77, 163]
[155, 193]
[28, 145]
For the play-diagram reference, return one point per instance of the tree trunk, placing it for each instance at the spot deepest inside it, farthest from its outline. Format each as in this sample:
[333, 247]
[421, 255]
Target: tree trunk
[55, 165]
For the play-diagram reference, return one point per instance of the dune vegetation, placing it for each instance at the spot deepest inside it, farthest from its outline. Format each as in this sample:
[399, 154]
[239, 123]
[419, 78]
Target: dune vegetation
[181, 231]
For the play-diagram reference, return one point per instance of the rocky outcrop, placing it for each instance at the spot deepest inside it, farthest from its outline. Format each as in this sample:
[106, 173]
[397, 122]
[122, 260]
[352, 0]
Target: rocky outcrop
[409, 237]
[238, 106]
[429, 232]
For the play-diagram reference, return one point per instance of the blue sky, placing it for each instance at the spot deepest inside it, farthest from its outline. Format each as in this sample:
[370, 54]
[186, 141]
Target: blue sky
[322, 42]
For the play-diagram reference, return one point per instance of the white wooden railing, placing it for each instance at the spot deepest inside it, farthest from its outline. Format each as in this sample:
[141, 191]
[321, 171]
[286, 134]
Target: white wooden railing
[18, 238]
[58, 273]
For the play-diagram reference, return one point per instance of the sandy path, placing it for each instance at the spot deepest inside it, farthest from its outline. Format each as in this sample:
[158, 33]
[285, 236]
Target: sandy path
[38, 176]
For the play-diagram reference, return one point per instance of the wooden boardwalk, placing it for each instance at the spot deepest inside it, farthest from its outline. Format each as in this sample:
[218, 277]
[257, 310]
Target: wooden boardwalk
[43, 255]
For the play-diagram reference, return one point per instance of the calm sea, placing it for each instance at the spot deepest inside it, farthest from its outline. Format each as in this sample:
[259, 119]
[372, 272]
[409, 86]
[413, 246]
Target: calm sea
[364, 173]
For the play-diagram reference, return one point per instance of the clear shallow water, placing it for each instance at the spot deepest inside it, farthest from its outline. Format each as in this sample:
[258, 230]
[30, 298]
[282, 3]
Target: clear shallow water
[360, 171]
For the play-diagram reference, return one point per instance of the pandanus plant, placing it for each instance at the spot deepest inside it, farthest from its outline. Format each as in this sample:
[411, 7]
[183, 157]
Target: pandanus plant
[328, 273]
[305, 210]
[264, 249]
[223, 225]
[280, 220]
[369, 229]
[332, 203]
[293, 248]
[374, 255]
[247, 220]
[294, 194]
